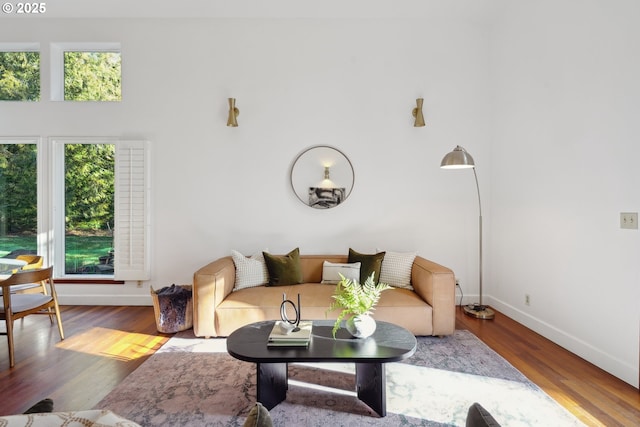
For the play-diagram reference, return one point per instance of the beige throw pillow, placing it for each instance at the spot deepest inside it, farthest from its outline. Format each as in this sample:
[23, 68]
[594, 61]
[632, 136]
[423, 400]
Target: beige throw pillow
[396, 269]
[331, 272]
[250, 271]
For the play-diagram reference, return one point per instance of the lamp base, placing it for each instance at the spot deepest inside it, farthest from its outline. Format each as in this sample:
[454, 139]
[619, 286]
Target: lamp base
[479, 311]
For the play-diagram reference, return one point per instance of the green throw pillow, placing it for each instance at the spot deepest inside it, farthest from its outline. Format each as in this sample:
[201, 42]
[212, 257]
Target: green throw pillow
[284, 269]
[258, 417]
[45, 405]
[477, 416]
[369, 263]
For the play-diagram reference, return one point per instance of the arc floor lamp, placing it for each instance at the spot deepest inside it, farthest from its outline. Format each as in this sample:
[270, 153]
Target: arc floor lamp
[460, 159]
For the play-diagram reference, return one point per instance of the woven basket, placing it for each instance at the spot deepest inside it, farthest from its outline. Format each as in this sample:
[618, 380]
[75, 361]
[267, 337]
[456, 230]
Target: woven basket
[172, 315]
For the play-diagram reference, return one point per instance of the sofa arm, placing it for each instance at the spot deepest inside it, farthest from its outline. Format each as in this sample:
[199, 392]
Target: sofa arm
[211, 285]
[436, 284]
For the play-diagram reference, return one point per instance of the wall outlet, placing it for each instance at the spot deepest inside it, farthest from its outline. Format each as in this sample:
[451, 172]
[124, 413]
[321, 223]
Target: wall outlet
[629, 220]
[527, 299]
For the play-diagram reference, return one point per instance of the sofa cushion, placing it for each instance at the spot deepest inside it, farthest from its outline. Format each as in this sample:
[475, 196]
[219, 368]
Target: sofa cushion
[398, 306]
[331, 272]
[396, 269]
[284, 269]
[250, 271]
[263, 303]
[370, 263]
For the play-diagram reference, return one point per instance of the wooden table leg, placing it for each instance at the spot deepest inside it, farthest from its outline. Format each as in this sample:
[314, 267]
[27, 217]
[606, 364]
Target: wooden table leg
[271, 384]
[371, 386]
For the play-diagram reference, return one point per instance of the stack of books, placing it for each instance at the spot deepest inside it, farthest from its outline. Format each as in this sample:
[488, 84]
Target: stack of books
[282, 334]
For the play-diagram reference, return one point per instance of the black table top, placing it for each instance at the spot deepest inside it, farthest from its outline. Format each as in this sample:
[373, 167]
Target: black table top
[389, 343]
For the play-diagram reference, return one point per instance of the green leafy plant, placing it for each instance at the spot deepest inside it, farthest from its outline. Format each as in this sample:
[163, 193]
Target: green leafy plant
[354, 299]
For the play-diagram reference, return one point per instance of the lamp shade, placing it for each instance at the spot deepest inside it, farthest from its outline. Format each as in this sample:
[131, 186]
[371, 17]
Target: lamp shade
[457, 159]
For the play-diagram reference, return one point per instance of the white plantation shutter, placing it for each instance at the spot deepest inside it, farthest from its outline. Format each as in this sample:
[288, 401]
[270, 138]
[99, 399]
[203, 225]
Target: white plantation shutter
[132, 211]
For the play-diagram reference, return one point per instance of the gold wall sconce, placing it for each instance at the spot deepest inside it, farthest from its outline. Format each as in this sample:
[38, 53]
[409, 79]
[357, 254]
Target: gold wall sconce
[232, 121]
[326, 182]
[417, 113]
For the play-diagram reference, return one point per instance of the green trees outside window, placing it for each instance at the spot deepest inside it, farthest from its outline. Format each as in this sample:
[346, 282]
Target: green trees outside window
[89, 208]
[89, 204]
[89, 187]
[89, 168]
[19, 76]
[88, 76]
[92, 76]
[18, 198]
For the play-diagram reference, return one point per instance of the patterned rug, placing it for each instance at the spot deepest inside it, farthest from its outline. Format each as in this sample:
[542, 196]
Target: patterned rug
[194, 382]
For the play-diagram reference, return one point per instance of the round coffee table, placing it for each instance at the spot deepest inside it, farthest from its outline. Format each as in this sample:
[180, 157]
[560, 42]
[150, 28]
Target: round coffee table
[389, 343]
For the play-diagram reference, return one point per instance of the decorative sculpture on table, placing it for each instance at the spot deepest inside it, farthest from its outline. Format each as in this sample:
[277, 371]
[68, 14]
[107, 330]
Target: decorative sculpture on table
[292, 325]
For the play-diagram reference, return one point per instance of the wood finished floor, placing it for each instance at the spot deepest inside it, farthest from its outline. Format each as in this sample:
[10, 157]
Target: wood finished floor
[105, 344]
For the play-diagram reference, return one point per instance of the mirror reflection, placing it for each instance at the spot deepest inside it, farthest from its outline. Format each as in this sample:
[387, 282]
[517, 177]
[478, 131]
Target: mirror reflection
[322, 177]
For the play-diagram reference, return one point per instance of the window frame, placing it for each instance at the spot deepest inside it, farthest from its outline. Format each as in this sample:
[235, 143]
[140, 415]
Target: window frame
[57, 64]
[58, 212]
[124, 269]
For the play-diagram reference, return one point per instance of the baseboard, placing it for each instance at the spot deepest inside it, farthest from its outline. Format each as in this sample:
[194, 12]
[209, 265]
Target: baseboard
[596, 356]
[103, 294]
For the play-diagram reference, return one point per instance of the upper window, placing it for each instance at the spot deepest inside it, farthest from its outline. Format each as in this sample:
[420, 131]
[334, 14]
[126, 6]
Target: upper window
[92, 76]
[86, 72]
[19, 72]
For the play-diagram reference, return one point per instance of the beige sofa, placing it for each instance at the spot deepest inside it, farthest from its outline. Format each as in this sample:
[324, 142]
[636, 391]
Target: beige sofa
[218, 310]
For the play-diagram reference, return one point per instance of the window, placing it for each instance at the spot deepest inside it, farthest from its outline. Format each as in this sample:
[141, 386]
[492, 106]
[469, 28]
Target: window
[19, 72]
[18, 197]
[92, 76]
[101, 200]
[86, 72]
[88, 208]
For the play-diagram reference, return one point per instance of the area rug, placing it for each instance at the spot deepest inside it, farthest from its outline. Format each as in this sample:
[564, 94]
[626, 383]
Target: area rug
[194, 382]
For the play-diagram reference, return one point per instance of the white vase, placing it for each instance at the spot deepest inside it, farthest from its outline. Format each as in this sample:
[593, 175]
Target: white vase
[361, 326]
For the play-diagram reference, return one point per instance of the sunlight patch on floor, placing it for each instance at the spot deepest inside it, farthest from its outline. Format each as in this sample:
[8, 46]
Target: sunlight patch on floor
[445, 396]
[322, 388]
[210, 345]
[418, 392]
[346, 368]
[113, 343]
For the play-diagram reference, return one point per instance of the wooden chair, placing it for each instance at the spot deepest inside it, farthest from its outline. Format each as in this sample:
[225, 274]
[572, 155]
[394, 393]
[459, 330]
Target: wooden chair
[17, 306]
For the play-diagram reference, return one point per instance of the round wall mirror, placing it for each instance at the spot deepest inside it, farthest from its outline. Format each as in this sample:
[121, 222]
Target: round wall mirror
[322, 177]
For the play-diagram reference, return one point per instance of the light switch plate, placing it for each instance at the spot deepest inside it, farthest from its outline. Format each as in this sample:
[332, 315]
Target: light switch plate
[629, 220]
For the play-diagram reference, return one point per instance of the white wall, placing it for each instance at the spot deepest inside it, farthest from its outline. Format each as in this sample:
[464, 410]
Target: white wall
[563, 168]
[550, 231]
[349, 83]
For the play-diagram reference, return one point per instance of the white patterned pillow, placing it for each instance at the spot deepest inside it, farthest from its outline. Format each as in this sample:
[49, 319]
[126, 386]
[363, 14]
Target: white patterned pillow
[396, 269]
[331, 272]
[250, 271]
